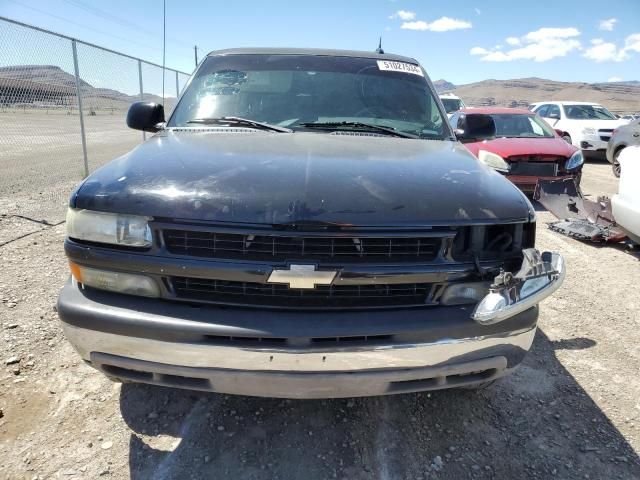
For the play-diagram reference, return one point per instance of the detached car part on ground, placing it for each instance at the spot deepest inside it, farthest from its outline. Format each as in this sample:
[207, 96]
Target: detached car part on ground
[525, 148]
[603, 220]
[304, 225]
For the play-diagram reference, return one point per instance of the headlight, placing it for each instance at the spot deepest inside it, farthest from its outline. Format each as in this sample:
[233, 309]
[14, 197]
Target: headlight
[112, 228]
[588, 131]
[128, 283]
[494, 161]
[464, 293]
[575, 161]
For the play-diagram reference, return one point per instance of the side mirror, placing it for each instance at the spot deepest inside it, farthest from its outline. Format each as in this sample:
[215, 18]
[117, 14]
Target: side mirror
[475, 127]
[145, 116]
[558, 131]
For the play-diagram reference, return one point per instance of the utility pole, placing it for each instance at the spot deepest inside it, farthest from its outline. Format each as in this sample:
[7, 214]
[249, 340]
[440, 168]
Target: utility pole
[195, 51]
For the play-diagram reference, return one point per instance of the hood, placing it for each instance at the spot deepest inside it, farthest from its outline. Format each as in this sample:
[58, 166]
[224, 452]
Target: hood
[511, 147]
[284, 178]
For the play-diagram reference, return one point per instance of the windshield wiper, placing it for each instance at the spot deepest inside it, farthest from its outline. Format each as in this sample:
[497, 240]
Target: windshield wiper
[239, 121]
[372, 127]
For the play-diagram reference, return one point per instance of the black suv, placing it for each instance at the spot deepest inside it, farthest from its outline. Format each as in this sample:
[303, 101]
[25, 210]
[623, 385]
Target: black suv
[305, 224]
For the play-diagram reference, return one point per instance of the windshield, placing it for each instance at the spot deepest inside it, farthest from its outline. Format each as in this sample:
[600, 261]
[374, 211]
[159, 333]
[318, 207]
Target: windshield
[521, 126]
[452, 104]
[588, 112]
[293, 90]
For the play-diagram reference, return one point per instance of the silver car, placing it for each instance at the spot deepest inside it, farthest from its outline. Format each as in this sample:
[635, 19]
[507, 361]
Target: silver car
[622, 137]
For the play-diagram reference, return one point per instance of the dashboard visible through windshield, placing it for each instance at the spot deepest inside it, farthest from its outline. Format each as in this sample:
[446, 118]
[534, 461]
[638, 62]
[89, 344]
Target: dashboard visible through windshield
[300, 92]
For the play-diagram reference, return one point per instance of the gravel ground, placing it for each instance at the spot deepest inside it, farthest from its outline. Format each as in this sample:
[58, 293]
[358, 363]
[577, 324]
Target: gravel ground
[571, 411]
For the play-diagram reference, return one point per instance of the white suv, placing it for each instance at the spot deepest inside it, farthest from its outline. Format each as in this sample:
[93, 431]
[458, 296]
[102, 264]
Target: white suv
[586, 125]
[452, 103]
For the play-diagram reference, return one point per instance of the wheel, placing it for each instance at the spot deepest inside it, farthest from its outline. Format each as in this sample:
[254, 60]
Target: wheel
[566, 137]
[616, 164]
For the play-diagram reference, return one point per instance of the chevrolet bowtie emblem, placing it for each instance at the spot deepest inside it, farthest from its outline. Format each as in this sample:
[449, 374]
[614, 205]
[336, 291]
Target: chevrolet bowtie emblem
[302, 276]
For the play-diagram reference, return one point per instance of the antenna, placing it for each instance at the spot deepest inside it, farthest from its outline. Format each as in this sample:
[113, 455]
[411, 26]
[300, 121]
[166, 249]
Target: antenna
[164, 42]
[195, 51]
[379, 49]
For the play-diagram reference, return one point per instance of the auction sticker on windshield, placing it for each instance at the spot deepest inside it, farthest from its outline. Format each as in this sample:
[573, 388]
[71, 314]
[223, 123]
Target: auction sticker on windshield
[399, 67]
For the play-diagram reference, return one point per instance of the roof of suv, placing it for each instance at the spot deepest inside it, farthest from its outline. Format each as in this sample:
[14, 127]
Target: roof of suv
[313, 51]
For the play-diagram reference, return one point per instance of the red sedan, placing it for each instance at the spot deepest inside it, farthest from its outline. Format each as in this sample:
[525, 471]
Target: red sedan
[526, 149]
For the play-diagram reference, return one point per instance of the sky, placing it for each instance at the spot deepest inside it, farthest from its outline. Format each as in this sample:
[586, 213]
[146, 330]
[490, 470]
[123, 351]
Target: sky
[462, 41]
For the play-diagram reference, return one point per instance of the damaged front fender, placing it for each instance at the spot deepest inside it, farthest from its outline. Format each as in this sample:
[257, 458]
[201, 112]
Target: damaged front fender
[540, 275]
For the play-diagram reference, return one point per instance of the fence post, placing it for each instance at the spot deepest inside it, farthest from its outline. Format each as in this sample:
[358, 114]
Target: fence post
[144, 135]
[81, 115]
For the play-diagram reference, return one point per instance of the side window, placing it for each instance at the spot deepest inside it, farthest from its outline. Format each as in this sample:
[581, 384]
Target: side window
[553, 112]
[542, 111]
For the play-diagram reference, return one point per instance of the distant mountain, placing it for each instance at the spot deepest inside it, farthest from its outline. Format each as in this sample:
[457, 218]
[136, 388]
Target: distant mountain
[49, 74]
[619, 97]
[443, 86]
[50, 84]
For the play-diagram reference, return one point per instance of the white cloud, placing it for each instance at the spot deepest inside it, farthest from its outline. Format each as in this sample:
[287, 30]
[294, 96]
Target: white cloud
[403, 15]
[547, 33]
[608, 24]
[614, 79]
[442, 24]
[632, 43]
[478, 51]
[601, 51]
[540, 45]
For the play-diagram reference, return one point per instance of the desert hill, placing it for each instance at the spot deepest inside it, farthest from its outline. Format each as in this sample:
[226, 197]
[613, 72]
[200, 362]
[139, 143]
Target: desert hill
[619, 97]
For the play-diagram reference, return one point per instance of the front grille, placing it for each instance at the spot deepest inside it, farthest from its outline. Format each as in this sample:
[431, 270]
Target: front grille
[325, 296]
[536, 169]
[536, 165]
[285, 247]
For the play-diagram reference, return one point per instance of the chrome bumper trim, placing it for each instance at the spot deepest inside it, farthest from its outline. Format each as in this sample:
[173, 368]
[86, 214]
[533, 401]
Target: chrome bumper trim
[280, 360]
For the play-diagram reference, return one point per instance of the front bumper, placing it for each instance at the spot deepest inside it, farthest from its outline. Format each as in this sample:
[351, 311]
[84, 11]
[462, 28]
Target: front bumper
[181, 346]
[592, 143]
[528, 183]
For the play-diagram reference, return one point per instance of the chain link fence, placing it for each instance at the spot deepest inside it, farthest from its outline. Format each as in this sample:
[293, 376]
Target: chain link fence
[63, 105]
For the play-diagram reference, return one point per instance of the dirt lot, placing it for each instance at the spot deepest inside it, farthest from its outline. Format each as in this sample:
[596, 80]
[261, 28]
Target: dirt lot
[41, 160]
[571, 411]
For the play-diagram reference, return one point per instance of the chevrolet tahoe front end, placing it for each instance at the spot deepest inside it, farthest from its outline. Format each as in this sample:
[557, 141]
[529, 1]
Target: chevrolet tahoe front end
[303, 259]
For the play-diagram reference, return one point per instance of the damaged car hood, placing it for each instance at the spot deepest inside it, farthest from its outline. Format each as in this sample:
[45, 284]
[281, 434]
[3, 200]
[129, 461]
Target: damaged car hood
[274, 178]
